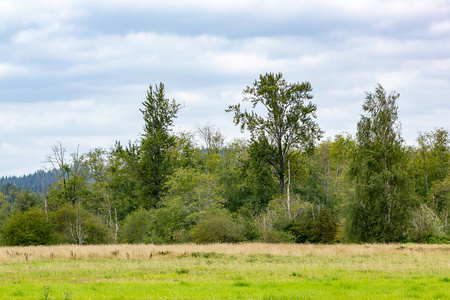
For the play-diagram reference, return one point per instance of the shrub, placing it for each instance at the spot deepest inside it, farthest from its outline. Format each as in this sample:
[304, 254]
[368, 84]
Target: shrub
[302, 230]
[75, 225]
[326, 227]
[319, 229]
[28, 228]
[271, 235]
[216, 227]
[136, 227]
[425, 225]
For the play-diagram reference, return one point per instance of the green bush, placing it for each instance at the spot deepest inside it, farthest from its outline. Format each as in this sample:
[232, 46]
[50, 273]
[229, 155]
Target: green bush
[425, 226]
[28, 228]
[216, 227]
[272, 235]
[75, 225]
[136, 227]
[321, 228]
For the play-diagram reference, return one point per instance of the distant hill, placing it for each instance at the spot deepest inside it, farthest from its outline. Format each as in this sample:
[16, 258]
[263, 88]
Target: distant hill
[33, 182]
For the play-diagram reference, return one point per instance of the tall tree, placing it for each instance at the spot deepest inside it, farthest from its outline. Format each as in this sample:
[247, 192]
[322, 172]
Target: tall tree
[72, 182]
[384, 193]
[287, 122]
[154, 158]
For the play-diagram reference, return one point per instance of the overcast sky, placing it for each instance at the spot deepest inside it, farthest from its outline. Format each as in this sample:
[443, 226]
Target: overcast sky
[77, 71]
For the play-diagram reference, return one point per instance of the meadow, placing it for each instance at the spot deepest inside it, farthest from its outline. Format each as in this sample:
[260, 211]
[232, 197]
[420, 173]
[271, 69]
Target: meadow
[226, 271]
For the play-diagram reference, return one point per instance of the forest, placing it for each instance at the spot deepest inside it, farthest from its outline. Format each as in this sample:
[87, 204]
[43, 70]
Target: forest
[284, 184]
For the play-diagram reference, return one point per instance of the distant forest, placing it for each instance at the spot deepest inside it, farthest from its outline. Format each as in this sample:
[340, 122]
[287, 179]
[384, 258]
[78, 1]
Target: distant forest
[35, 182]
[285, 184]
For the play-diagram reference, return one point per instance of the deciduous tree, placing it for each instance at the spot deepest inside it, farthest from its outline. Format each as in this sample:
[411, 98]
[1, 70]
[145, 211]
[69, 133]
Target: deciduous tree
[384, 194]
[286, 123]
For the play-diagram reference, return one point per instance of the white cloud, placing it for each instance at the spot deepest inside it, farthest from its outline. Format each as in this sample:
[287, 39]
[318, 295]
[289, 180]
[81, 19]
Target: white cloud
[398, 79]
[64, 76]
[9, 70]
[440, 27]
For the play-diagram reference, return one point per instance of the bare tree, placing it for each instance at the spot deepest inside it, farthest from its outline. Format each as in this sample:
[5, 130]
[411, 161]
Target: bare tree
[213, 138]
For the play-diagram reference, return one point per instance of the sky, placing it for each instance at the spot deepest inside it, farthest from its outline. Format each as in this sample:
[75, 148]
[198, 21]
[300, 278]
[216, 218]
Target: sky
[77, 71]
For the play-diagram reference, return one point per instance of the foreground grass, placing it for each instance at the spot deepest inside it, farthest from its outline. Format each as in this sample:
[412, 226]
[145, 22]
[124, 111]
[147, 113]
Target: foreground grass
[222, 271]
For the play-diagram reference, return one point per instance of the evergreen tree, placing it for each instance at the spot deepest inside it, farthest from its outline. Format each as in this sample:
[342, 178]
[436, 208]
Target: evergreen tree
[154, 159]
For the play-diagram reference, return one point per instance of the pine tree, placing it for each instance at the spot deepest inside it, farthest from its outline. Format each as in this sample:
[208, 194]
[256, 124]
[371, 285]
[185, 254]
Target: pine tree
[154, 158]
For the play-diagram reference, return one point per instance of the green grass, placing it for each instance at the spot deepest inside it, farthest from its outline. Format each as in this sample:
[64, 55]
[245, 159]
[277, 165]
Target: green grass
[225, 276]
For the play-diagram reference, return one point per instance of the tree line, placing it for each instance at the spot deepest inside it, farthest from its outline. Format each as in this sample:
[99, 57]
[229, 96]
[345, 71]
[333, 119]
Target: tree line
[283, 184]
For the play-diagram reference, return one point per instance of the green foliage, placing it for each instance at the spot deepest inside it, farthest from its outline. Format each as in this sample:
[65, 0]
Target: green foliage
[313, 227]
[431, 160]
[190, 194]
[6, 209]
[441, 201]
[26, 200]
[287, 124]
[425, 224]
[303, 229]
[71, 186]
[136, 228]
[274, 224]
[28, 228]
[153, 161]
[326, 227]
[384, 193]
[279, 186]
[75, 225]
[216, 227]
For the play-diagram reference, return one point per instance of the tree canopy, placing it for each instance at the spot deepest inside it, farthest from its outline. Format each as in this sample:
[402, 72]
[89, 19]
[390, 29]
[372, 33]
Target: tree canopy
[287, 122]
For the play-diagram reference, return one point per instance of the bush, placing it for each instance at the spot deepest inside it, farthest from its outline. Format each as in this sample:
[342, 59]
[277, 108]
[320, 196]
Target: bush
[302, 230]
[271, 235]
[216, 227]
[326, 227]
[28, 228]
[75, 225]
[425, 225]
[319, 229]
[136, 227]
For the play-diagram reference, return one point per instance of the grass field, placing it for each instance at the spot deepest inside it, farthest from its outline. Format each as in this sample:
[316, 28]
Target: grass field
[225, 271]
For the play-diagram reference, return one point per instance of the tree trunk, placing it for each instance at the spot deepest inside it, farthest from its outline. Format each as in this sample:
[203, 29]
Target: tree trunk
[288, 193]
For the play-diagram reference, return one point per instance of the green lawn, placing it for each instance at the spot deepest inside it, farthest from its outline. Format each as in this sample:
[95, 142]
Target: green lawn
[224, 276]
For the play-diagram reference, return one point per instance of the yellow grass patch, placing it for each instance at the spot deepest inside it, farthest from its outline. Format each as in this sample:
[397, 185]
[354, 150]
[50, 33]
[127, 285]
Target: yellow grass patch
[95, 252]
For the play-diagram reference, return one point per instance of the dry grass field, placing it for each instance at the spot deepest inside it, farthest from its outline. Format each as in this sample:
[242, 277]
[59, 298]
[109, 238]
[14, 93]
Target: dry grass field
[224, 271]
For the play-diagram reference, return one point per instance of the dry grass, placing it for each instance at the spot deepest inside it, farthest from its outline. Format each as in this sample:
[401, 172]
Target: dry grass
[144, 252]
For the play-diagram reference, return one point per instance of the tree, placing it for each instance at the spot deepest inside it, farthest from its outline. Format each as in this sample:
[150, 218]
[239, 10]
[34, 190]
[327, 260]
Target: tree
[288, 122]
[441, 200]
[214, 140]
[75, 225]
[189, 195]
[384, 194]
[28, 228]
[6, 208]
[71, 186]
[153, 154]
[433, 159]
[26, 200]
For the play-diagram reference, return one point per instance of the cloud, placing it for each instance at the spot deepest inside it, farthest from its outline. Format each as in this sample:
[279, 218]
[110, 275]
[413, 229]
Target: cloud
[9, 70]
[439, 28]
[77, 71]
